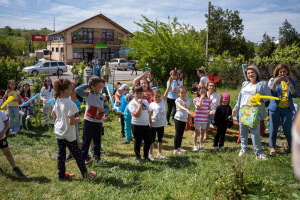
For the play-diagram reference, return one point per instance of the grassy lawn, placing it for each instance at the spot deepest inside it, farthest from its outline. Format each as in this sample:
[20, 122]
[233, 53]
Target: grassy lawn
[211, 174]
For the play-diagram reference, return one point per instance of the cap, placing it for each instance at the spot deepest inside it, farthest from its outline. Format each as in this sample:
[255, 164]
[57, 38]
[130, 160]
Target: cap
[124, 87]
[254, 68]
[128, 97]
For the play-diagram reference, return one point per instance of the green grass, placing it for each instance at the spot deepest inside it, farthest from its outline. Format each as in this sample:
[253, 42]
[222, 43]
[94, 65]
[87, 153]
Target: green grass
[204, 175]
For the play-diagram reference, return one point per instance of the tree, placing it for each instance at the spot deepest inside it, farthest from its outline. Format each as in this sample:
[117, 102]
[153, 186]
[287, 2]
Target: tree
[287, 34]
[225, 26]
[163, 47]
[267, 47]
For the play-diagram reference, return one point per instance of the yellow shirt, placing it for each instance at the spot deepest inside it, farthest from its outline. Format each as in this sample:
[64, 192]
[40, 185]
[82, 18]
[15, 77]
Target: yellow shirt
[15, 94]
[284, 102]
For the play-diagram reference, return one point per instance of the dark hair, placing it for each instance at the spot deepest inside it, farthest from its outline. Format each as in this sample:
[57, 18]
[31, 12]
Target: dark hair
[94, 80]
[22, 92]
[202, 71]
[279, 67]
[119, 83]
[182, 88]
[45, 84]
[9, 82]
[60, 85]
[145, 79]
[137, 89]
[179, 72]
[199, 88]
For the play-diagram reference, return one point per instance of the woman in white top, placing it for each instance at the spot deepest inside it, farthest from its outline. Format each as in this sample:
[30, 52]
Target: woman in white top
[215, 97]
[201, 72]
[140, 122]
[47, 93]
[180, 78]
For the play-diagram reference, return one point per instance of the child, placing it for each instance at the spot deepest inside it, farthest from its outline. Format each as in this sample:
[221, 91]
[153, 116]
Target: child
[181, 117]
[117, 87]
[118, 95]
[13, 107]
[172, 96]
[96, 107]
[27, 110]
[4, 125]
[78, 104]
[47, 93]
[141, 122]
[147, 92]
[202, 104]
[223, 112]
[127, 119]
[159, 119]
[64, 129]
[124, 89]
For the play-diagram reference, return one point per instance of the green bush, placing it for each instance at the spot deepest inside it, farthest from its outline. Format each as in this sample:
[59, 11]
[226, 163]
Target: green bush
[79, 70]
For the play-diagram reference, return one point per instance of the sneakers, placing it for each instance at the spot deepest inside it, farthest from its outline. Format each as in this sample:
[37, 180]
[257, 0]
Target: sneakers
[88, 160]
[91, 175]
[28, 117]
[201, 147]
[139, 161]
[102, 151]
[177, 151]
[242, 152]
[261, 157]
[67, 177]
[161, 156]
[100, 161]
[69, 157]
[216, 147]
[18, 171]
[196, 149]
[169, 124]
[148, 160]
[182, 150]
[92, 151]
[125, 142]
[11, 132]
[151, 157]
[222, 147]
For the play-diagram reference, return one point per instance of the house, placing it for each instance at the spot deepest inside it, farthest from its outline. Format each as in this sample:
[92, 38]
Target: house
[93, 38]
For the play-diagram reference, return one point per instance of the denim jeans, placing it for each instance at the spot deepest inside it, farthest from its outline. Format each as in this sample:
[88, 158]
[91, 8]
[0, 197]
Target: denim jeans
[25, 112]
[209, 119]
[87, 78]
[255, 135]
[14, 120]
[286, 116]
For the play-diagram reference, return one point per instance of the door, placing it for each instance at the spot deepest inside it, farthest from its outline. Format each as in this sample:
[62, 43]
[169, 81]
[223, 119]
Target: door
[53, 68]
[45, 68]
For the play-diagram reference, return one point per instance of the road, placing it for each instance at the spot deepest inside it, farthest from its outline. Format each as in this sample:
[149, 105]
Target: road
[124, 76]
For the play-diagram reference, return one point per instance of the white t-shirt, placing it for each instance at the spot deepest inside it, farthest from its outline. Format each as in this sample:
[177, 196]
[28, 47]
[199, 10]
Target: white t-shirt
[204, 79]
[182, 115]
[180, 82]
[143, 119]
[215, 101]
[3, 119]
[47, 94]
[64, 108]
[247, 93]
[159, 118]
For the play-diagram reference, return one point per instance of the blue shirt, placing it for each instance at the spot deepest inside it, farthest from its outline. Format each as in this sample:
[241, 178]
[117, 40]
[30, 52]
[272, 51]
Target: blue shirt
[97, 70]
[171, 94]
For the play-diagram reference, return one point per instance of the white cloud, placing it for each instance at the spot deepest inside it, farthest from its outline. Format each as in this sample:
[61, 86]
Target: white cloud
[4, 2]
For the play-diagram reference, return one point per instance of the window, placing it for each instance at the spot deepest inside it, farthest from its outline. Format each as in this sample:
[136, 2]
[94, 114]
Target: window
[83, 36]
[52, 49]
[54, 64]
[61, 64]
[56, 49]
[46, 64]
[78, 53]
[123, 61]
[61, 49]
[107, 35]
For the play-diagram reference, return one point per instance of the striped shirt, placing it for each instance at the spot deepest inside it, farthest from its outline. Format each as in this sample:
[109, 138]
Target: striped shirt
[201, 116]
[89, 71]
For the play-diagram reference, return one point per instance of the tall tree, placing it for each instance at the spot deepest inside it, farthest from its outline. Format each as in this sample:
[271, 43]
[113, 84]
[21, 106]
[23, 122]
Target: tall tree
[163, 47]
[224, 27]
[287, 34]
[267, 47]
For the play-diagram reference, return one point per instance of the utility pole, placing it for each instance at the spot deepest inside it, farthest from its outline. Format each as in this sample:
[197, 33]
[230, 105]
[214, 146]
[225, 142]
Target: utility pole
[208, 19]
[53, 24]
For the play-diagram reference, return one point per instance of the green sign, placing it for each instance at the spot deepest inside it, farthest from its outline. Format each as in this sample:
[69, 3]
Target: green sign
[100, 46]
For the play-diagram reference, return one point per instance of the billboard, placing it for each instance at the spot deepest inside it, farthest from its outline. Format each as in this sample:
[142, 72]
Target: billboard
[38, 38]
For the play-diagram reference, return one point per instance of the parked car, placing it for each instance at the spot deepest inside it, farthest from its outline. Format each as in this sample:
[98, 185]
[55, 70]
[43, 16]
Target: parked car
[46, 67]
[130, 63]
[118, 63]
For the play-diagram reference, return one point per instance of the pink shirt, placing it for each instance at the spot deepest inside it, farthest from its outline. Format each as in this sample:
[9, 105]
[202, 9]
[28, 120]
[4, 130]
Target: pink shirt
[201, 116]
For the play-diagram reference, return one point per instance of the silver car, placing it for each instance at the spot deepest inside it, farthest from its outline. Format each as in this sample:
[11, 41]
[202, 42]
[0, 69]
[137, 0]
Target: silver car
[46, 67]
[118, 63]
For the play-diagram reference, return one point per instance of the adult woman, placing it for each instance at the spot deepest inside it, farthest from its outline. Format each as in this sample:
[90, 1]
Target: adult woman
[215, 97]
[180, 78]
[284, 87]
[172, 96]
[203, 76]
[152, 81]
[249, 88]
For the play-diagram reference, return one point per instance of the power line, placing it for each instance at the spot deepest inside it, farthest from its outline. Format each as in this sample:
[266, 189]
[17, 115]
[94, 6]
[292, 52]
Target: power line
[268, 11]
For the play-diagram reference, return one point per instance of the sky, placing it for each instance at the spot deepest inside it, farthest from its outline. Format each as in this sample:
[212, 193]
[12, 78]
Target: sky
[259, 16]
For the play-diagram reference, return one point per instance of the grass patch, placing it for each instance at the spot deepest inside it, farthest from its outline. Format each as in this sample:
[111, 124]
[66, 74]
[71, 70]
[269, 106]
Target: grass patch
[204, 175]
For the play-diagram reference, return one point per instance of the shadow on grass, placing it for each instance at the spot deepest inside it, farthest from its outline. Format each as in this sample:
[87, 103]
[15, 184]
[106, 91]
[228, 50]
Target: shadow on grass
[37, 133]
[40, 180]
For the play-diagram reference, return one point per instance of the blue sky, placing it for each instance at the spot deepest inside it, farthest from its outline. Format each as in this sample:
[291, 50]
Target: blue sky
[258, 16]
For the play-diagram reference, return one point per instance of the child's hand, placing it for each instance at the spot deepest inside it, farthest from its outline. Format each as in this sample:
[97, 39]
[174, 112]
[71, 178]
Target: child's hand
[202, 96]
[45, 101]
[119, 112]
[101, 110]
[7, 92]
[77, 119]
[139, 101]
[189, 112]
[208, 111]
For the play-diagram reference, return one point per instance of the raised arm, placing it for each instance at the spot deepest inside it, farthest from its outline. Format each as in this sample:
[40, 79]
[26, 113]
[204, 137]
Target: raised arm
[137, 79]
[80, 90]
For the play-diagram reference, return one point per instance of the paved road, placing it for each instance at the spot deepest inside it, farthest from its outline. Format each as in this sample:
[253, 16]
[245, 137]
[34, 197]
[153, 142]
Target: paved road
[119, 76]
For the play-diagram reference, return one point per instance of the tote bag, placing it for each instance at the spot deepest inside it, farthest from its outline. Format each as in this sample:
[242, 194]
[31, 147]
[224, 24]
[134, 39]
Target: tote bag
[249, 116]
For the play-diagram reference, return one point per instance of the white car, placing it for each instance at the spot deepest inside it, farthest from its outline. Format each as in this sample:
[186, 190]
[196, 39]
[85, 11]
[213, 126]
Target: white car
[118, 63]
[46, 67]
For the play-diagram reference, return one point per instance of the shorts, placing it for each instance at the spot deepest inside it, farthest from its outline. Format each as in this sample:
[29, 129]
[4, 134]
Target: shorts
[199, 125]
[3, 143]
